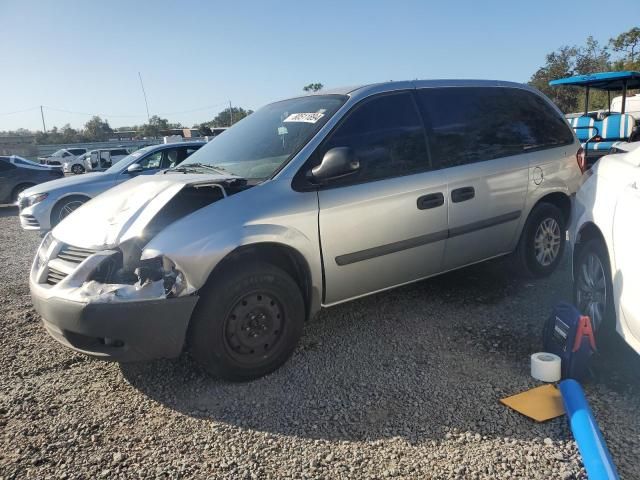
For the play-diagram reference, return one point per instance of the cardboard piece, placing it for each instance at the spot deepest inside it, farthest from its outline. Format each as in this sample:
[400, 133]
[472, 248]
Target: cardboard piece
[540, 403]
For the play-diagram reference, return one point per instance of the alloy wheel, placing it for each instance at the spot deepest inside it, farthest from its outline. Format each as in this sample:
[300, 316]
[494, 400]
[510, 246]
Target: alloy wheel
[547, 241]
[67, 208]
[591, 292]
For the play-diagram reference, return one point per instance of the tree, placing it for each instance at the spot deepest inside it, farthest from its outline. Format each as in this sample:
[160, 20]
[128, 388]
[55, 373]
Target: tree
[156, 127]
[70, 135]
[226, 118]
[97, 129]
[313, 87]
[559, 64]
[629, 43]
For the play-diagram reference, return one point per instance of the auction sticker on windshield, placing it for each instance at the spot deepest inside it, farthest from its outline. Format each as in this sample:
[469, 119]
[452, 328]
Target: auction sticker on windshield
[304, 117]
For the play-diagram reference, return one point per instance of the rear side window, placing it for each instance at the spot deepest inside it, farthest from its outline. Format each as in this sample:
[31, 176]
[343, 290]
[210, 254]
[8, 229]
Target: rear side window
[387, 137]
[474, 124]
[77, 151]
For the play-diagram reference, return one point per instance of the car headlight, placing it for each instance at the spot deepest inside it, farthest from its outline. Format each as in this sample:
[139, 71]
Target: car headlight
[32, 199]
[43, 251]
[161, 268]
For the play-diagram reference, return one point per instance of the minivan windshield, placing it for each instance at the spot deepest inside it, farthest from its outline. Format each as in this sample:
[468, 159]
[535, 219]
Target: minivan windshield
[258, 145]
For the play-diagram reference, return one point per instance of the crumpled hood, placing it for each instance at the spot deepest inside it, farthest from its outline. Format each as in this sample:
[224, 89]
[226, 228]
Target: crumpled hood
[123, 211]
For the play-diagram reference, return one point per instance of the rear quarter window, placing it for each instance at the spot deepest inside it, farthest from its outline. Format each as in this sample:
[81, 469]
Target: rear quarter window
[474, 124]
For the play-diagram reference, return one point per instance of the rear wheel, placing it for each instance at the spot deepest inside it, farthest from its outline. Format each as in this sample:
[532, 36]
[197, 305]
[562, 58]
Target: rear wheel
[542, 241]
[77, 169]
[247, 322]
[64, 207]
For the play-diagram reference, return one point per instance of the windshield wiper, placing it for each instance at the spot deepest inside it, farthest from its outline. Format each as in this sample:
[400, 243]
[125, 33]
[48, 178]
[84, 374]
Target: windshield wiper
[194, 167]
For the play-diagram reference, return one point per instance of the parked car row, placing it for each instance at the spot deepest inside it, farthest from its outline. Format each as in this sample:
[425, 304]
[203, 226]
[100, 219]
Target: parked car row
[318, 200]
[43, 206]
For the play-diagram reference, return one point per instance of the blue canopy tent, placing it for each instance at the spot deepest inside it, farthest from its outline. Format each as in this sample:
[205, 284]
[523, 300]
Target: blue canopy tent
[609, 81]
[600, 132]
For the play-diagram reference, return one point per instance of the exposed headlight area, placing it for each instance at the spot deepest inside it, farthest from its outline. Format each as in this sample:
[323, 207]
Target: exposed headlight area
[107, 275]
[28, 201]
[162, 269]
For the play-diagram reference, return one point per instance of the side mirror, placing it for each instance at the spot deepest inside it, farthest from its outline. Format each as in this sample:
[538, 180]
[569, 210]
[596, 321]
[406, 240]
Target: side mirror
[336, 163]
[134, 168]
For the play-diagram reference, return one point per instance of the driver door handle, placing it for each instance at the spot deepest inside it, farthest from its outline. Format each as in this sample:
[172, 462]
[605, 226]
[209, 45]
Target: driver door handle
[431, 200]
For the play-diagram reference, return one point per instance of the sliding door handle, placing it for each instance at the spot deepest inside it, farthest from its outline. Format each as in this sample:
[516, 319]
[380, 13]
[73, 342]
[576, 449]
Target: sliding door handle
[462, 194]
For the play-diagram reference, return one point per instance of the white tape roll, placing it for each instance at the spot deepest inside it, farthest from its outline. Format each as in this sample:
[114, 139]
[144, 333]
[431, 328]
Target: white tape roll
[546, 367]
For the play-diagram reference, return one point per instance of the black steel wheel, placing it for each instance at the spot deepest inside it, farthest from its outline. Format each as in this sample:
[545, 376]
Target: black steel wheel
[247, 322]
[254, 328]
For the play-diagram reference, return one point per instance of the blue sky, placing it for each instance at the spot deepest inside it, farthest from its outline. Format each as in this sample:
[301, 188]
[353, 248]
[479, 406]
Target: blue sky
[195, 56]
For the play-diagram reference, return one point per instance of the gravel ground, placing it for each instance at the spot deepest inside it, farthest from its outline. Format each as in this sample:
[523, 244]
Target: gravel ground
[401, 384]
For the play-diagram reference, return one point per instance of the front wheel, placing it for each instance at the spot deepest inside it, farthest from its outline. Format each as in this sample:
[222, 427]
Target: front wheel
[77, 169]
[247, 322]
[64, 207]
[592, 288]
[542, 242]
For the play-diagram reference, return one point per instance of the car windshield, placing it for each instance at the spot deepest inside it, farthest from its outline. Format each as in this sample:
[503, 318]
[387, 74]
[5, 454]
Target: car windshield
[258, 145]
[58, 153]
[116, 167]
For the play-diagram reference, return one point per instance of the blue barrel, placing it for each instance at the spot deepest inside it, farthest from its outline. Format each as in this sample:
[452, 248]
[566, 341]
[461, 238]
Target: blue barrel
[593, 449]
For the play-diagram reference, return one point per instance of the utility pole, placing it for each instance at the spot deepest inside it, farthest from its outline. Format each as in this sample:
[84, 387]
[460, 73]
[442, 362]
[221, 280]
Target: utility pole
[44, 127]
[145, 97]
[230, 113]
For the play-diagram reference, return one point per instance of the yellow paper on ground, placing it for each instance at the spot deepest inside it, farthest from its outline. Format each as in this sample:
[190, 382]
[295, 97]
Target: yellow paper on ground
[540, 403]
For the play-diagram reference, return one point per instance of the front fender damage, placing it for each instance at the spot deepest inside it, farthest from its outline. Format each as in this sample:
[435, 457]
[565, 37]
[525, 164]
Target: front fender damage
[124, 275]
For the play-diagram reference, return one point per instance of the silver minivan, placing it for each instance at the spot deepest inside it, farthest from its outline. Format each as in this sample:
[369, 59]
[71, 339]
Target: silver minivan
[307, 203]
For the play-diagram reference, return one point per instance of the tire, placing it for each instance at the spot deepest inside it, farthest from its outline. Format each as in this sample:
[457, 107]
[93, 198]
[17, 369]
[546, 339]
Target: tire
[65, 206]
[77, 169]
[542, 242]
[247, 322]
[592, 285]
[18, 190]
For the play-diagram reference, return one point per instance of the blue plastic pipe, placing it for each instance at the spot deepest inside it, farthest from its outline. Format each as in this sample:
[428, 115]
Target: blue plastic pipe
[595, 455]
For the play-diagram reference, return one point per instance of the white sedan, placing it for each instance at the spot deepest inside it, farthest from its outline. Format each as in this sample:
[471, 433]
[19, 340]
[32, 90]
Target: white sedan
[605, 233]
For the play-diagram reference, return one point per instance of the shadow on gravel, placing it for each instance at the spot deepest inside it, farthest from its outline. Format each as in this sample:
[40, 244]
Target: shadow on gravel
[8, 211]
[422, 362]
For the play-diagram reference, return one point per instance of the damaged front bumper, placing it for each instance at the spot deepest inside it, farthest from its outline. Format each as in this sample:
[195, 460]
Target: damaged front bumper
[123, 332]
[109, 321]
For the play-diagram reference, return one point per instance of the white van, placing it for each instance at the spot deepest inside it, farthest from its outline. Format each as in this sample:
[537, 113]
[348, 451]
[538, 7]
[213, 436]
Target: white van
[632, 105]
[101, 159]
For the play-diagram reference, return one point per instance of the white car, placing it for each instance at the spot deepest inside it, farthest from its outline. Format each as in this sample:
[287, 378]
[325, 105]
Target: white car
[64, 155]
[605, 235]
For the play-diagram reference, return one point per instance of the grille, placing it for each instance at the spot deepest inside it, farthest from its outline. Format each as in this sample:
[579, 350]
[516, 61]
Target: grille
[74, 254]
[54, 276]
